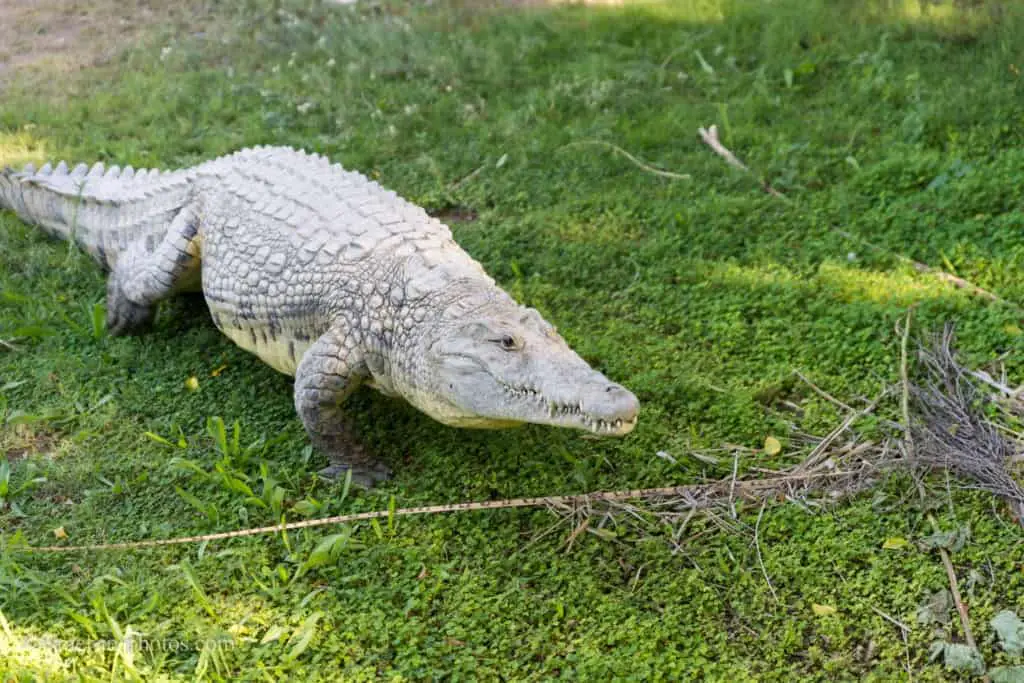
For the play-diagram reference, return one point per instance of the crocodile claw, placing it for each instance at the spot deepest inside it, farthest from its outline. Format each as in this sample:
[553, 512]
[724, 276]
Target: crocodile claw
[125, 317]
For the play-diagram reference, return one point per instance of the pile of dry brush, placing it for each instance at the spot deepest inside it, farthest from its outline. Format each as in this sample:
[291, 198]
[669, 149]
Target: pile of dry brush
[967, 424]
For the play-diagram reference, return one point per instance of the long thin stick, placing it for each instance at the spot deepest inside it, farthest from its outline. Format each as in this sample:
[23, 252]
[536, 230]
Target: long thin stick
[908, 436]
[891, 620]
[694, 496]
[637, 162]
[954, 588]
[710, 138]
[824, 394]
[757, 546]
[904, 630]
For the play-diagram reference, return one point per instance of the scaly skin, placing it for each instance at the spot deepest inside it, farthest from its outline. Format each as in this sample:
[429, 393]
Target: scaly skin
[330, 278]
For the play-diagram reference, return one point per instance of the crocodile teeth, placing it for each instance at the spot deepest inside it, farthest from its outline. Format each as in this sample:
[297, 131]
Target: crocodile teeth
[553, 410]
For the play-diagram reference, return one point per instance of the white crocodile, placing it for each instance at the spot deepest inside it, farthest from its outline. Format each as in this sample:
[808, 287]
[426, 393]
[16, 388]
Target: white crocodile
[328, 277]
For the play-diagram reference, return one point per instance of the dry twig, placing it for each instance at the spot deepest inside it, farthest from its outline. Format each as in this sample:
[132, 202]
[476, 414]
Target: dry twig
[954, 588]
[951, 432]
[663, 506]
[636, 162]
[760, 559]
[904, 631]
[710, 138]
[821, 392]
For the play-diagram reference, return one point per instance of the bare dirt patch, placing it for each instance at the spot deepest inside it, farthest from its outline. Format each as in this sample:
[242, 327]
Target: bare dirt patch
[62, 36]
[27, 439]
[455, 214]
[54, 37]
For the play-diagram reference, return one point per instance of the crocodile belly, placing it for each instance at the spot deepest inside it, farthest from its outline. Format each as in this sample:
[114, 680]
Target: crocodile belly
[279, 344]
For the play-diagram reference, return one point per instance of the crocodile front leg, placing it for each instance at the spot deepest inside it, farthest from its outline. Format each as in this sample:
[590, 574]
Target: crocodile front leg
[142, 277]
[329, 371]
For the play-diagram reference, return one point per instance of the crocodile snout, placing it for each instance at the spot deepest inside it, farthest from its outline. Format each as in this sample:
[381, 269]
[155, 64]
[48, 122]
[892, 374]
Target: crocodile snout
[610, 406]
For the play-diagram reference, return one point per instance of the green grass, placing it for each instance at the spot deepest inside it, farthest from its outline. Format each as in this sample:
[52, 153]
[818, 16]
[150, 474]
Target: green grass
[702, 296]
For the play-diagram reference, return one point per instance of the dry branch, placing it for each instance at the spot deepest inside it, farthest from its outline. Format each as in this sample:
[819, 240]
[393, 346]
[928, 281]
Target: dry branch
[710, 138]
[632, 159]
[664, 506]
[949, 428]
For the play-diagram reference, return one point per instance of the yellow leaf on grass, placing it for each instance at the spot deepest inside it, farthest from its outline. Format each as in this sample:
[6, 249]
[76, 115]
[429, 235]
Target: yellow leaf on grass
[822, 610]
[216, 372]
[772, 446]
[60, 533]
[895, 543]
[1012, 330]
[192, 383]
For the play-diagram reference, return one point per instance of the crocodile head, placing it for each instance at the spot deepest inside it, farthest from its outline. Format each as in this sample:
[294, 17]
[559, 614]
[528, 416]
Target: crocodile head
[504, 366]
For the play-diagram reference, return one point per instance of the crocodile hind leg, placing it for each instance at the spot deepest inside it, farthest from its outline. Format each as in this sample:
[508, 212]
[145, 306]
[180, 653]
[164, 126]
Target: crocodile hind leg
[329, 371]
[143, 276]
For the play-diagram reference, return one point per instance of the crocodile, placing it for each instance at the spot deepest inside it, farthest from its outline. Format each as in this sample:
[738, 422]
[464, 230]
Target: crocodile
[330, 278]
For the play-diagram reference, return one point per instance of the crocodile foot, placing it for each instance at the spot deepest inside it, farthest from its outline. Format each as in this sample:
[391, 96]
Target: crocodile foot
[125, 317]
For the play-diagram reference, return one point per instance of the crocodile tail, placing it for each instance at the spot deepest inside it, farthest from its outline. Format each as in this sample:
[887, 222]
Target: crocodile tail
[49, 198]
[101, 209]
[11, 195]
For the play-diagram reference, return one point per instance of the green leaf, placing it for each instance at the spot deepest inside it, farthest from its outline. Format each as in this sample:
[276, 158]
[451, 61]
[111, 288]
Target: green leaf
[193, 581]
[258, 502]
[237, 485]
[950, 540]
[1010, 630]
[960, 657]
[1006, 674]
[327, 550]
[99, 321]
[186, 464]
[304, 635]
[273, 633]
[32, 332]
[306, 508]
[159, 439]
[13, 298]
[216, 429]
[208, 509]
[5, 478]
[18, 417]
[936, 608]
[85, 622]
